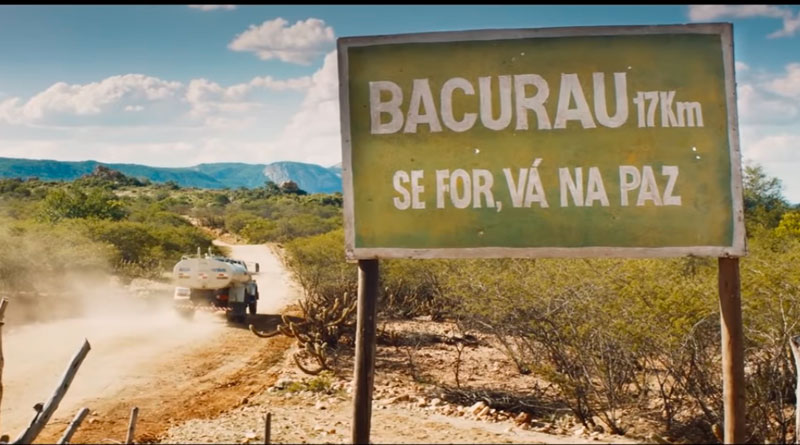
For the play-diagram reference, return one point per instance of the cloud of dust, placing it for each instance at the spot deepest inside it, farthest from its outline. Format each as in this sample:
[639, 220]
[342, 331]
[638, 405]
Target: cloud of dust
[97, 296]
[132, 329]
[100, 307]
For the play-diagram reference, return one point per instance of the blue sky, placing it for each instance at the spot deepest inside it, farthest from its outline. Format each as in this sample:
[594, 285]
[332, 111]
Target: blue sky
[178, 85]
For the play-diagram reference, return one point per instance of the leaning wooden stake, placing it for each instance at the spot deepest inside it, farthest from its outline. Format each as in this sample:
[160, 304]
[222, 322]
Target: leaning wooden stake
[3, 305]
[38, 425]
[267, 428]
[37, 411]
[73, 426]
[795, 344]
[132, 424]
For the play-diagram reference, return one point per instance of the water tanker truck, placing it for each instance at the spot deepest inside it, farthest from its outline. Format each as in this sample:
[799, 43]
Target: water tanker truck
[215, 283]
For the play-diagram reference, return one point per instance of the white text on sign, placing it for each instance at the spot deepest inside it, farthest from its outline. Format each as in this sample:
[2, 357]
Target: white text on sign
[461, 188]
[518, 95]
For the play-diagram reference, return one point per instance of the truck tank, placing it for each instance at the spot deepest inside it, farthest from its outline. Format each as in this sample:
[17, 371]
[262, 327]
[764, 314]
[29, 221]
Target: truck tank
[209, 273]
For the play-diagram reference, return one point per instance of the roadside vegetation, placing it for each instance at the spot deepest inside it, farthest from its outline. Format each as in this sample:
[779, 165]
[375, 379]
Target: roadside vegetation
[107, 222]
[615, 339]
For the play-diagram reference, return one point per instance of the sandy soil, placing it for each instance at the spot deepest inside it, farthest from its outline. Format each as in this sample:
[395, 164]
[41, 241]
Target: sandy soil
[409, 405]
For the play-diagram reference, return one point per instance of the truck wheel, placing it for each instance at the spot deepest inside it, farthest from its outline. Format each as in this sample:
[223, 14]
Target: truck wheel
[252, 307]
[238, 313]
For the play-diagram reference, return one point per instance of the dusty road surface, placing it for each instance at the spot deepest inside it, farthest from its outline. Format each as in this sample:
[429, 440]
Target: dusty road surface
[144, 355]
[276, 289]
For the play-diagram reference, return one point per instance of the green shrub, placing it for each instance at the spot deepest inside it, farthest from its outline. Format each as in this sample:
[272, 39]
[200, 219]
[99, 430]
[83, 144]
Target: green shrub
[236, 221]
[259, 231]
[147, 247]
[322, 383]
[36, 254]
[319, 265]
[75, 202]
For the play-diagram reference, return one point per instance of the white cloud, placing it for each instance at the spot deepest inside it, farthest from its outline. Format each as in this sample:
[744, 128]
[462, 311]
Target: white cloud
[757, 106]
[791, 20]
[788, 85]
[213, 7]
[769, 112]
[782, 147]
[313, 133]
[151, 121]
[778, 151]
[94, 97]
[116, 99]
[208, 99]
[222, 123]
[741, 66]
[699, 13]
[299, 43]
[176, 149]
[297, 83]
[771, 98]
[62, 101]
[10, 111]
[167, 154]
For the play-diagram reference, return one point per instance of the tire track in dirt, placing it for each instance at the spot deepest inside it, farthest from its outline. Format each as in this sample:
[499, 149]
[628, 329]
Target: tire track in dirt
[202, 385]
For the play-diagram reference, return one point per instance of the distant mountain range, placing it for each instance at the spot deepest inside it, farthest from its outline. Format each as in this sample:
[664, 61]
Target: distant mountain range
[312, 178]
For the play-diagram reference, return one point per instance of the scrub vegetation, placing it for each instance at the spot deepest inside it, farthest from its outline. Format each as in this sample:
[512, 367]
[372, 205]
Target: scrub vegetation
[614, 339]
[617, 339]
[107, 222]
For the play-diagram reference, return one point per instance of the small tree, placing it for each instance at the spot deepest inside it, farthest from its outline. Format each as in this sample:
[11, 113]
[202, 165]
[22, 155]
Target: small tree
[74, 202]
[764, 204]
[790, 224]
[271, 188]
[291, 188]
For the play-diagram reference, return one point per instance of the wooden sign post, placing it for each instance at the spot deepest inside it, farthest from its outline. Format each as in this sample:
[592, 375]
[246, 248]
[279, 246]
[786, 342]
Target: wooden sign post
[610, 141]
[365, 349]
[733, 389]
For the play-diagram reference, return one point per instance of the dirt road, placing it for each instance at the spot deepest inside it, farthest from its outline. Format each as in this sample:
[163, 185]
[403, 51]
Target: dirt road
[274, 285]
[144, 355]
[207, 381]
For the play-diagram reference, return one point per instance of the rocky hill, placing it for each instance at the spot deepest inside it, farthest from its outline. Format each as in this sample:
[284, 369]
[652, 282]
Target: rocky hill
[309, 177]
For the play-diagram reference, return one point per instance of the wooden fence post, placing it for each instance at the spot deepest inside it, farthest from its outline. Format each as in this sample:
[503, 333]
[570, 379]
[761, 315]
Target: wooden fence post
[365, 350]
[43, 417]
[73, 426]
[132, 425]
[267, 428]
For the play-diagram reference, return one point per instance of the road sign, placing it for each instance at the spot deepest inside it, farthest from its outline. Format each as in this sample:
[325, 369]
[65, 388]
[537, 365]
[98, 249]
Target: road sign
[561, 142]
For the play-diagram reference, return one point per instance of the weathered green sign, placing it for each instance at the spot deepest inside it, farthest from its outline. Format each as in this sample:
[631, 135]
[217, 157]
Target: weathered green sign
[606, 141]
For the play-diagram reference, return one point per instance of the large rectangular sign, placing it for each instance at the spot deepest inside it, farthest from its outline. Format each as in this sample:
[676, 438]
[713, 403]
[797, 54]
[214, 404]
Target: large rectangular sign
[560, 142]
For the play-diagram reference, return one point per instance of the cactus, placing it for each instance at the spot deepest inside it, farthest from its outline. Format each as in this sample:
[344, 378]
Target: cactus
[325, 321]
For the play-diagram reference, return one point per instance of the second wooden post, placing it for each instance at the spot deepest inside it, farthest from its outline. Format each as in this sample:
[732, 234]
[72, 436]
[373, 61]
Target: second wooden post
[365, 349]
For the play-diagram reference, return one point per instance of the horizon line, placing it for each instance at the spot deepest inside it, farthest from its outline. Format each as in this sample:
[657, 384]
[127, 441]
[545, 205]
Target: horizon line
[165, 167]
